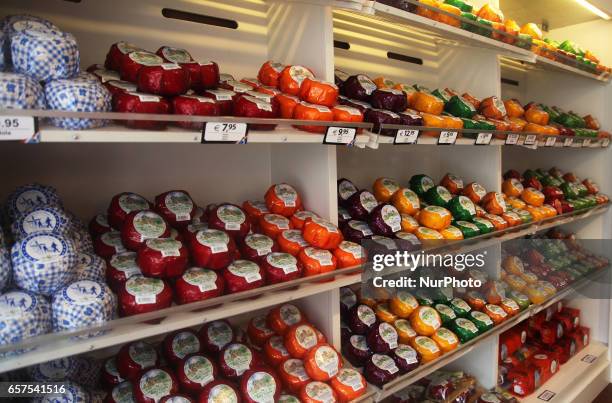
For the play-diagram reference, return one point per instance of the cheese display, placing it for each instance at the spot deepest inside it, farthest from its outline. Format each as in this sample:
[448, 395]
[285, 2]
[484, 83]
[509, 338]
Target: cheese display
[18, 91]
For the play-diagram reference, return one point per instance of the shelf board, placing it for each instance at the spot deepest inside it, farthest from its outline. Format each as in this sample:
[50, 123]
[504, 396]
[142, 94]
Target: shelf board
[578, 380]
[553, 65]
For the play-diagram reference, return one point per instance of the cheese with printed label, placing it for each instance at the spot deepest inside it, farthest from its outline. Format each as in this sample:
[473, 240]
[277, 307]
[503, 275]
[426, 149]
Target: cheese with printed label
[28, 197]
[90, 267]
[42, 220]
[18, 91]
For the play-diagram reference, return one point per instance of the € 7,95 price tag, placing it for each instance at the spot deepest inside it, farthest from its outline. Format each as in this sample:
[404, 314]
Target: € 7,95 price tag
[217, 132]
[339, 135]
[17, 127]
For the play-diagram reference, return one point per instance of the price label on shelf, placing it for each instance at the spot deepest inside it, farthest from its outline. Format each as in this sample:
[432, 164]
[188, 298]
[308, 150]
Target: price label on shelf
[17, 127]
[568, 142]
[406, 136]
[605, 142]
[512, 139]
[547, 395]
[217, 132]
[483, 139]
[340, 135]
[530, 139]
[550, 142]
[589, 359]
[586, 143]
[447, 138]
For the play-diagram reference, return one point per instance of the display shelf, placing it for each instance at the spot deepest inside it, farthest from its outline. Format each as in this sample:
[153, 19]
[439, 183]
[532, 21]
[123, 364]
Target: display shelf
[553, 65]
[579, 380]
[56, 345]
[422, 371]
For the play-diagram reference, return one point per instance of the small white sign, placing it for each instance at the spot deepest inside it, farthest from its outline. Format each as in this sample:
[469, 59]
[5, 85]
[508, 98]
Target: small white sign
[224, 132]
[550, 142]
[483, 139]
[530, 139]
[589, 359]
[547, 395]
[17, 127]
[568, 142]
[605, 142]
[512, 139]
[339, 135]
[447, 138]
[586, 142]
[405, 136]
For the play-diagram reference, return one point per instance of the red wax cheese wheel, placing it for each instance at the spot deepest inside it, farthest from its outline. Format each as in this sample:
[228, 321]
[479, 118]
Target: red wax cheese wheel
[299, 218]
[258, 331]
[135, 357]
[236, 86]
[219, 391]
[117, 52]
[108, 244]
[183, 59]
[137, 102]
[250, 107]
[99, 225]
[260, 385]
[321, 233]
[195, 371]
[475, 192]
[164, 258]
[275, 351]
[154, 384]
[287, 104]
[166, 79]
[231, 219]
[306, 111]
[110, 374]
[255, 247]
[291, 78]
[291, 241]
[209, 75]
[344, 113]
[179, 344]
[134, 61]
[142, 225]
[120, 268]
[212, 249]
[318, 92]
[281, 318]
[322, 362]
[144, 294]
[283, 199]
[269, 73]
[216, 335]
[118, 87]
[176, 206]
[242, 275]
[317, 392]
[235, 359]
[299, 339]
[317, 261]
[349, 254]
[197, 284]
[280, 267]
[123, 204]
[273, 224]
[293, 374]
[188, 233]
[224, 98]
[194, 105]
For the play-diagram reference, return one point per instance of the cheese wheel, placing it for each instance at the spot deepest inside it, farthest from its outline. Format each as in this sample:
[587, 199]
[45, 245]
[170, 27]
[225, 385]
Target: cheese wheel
[435, 217]
[512, 218]
[427, 348]
[349, 384]
[514, 108]
[306, 111]
[269, 73]
[291, 78]
[496, 313]
[349, 254]
[293, 374]
[299, 339]
[427, 103]
[317, 261]
[345, 113]
[273, 224]
[291, 241]
[322, 362]
[318, 392]
[287, 105]
[258, 331]
[321, 233]
[513, 264]
[281, 318]
[425, 233]
[283, 199]
[384, 314]
[409, 224]
[498, 222]
[425, 320]
[515, 203]
[445, 339]
[403, 304]
[318, 92]
[492, 108]
[533, 197]
[494, 203]
[275, 351]
[405, 332]
[512, 187]
[299, 218]
[453, 183]
[475, 192]
[536, 213]
[452, 233]
[384, 188]
[405, 201]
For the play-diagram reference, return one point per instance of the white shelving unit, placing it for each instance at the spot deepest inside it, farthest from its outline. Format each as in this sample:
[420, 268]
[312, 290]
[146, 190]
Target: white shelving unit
[89, 167]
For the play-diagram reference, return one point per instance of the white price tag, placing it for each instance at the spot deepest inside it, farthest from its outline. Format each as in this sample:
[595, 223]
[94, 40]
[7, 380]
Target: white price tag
[568, 142]
[404, 136]
[512, 139]
[589, 359]
[547, 395]
[447, 138]
[17, 127]
[550, 142]
[530, 139]
[483, 139]
[605, 142]
[224, 132]
[339, 135]
[586, 142]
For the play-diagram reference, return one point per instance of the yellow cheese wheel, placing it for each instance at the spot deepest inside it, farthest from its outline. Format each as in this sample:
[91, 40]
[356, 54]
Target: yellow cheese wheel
[409, 223]
[384, 188]
[435, 217]
[533, 197]
[403, 304]
[512, 187]
[424, 233]
[513, 264]
[405, 332]
[425, 320]
[427, 348]
[406, 201]
[445, 339]
[516, 203]
[452, 233]
[384, 314]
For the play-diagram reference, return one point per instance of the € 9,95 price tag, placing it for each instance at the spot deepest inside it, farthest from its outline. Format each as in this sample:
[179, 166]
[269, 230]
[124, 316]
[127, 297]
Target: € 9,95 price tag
[339, 135]
[447, 138]
[17, 127]
[406, 136]
[224, 132]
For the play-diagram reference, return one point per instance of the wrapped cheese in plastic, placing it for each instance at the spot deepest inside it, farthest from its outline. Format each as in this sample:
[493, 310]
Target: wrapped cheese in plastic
[20, 92]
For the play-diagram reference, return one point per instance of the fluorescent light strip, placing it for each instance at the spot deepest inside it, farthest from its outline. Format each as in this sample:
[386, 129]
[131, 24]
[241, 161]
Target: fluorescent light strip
[593, 9]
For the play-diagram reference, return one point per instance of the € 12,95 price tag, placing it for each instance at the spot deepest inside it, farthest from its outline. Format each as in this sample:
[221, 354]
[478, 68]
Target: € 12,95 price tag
[406, 136]
[217, 132]
[339, 135]
[17, 127]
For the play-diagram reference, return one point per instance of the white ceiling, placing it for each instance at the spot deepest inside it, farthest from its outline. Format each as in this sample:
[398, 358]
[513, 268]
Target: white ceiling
[558, 13]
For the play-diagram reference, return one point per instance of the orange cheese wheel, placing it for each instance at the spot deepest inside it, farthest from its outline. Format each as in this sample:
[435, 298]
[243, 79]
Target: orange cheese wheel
[537, 116]
[424, 233]
[264, 89]
[427, 348]
[516, 203]
[317, 261]
[453, 183]
[475, 192]
[287, 105]
[431, 120]
[349, 384]
[281, 318]
[490, 13]
[451, 122]
[492, 108]
[451, 233]
[349, 254]
[445, 339]
[435, 217]
[322, 362]
[533, 197]
[299, 339]
[317, 392]
[512, 218]
[382, 82]
[293, 375]
[291, 241]
[549, 211]
[283, 199]
[409, 224]
[426, 12]
[403, 304]
[405, 332]
[447, 19]
[517, 124]
[321, 233]
[510, 306]
[273, 224]
[472, 99]
[425, 320]
[513, 265]
[406, 201]
[512, 187]
[291, 78]
[514, 108]
[494, 203]
[308, 111]
[535, 128]
[269, 73]
[254, 210]
[384, 314]
[318, 92]
[384, 188]
[536, 212]
[275, 351]
[299, 218]
[428, 103]
[498, 222]
[496, 313]
[345, 113]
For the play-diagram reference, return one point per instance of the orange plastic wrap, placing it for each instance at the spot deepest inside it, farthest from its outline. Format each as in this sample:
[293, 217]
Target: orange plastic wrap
[318, 92]
[428, 103]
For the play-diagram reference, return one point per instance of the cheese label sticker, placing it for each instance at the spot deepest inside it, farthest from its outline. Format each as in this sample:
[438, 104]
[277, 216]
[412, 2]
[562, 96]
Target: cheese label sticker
[126, 262]
[467, 204]
[132, 202]
[327, 360]
[351, 247]
[262, 244]
[427, 343]
[83, 292]
[445, 310]
[412, 198]
[185, 343]
[406, 298]
[261, 387]
[346, 189]
[29, 199]
[299, 74]
[167, 246]
[156, 384]
[222, 394]
[430, 317]
[366, 315]
[402, 325]
[219, 334]
[467, 325]
[295, 236]
[287, 194]
[325, 224]
[392, 218]
[388, 334]
[295, 367]
[447, 336]
[123, 393]
[407, 353]
[306, 337]
[361, 227]
[180, 204]
[142, 354]
[238, 357]
[198, 369]
[110, 366]
[290, 314]
[102, 220]
[231, 216]
[367, 84]
[261, 104]
[57, 370]
[216, 240]
[278, 344]
[368, 201]
[351, 378]
[324, 257]
[176, 55]
[359, 342]
[149, 225]
[41, 220]
[146, 58]
[278, 220]
[123, 85]
[245, 269]
[144, 289]
[319, 392]
[44, 248]
[482, 317]
[385, 363]
[221, 95]
[126, 47]
[259, 323]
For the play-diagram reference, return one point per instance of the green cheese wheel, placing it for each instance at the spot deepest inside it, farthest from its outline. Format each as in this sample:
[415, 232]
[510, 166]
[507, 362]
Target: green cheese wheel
[423, 297]
[465, 329]
[464, 6]
[485, 226]
[462, 208]
[438, 196]
[460, 107]
[468, 229]
[482, 321]
[442, 94]
[446, 314]
[420, 184]
[460, 307]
